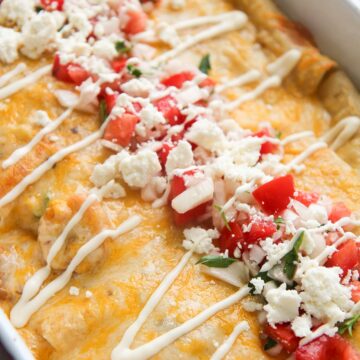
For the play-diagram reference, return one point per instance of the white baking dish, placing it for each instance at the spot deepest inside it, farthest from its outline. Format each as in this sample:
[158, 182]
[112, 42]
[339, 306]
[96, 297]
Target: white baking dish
[336, 27]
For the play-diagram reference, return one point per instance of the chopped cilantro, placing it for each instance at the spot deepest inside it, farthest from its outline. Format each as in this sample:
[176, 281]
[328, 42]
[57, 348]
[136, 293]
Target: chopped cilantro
[216, 261]
[223, 216]
[103, 111]
[347, 325]
[279, 134]
[134, 71]
[39, 9]
[292, 257]
[205, 65]
[45, 203]
[279, 220]
[270, 343]
[121, 47]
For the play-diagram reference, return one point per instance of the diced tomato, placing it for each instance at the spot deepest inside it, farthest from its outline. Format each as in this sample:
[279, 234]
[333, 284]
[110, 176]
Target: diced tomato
[267, 147]
[274, 196]
[346, 257]
[110, 100]
[70, 73]
[284, 335]
[168, 107]
[326, 348]
[163, 153]
[355, 291]
[118, 64]
[208, 82]
[121, 129]
[338, 211]
[136, 23]
[179, 79]
[230, 238]
[52, 5]
[306, 198]
[260, 229]
[176, 188]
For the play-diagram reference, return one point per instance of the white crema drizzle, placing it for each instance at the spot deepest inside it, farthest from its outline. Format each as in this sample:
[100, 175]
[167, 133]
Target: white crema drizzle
[25, 308]
[342, 132]
[5, 79]
[17, 85]
[278, 70]
[21, 152]
[225, 347]
[122, 350]
[237, 21]
[36, 174]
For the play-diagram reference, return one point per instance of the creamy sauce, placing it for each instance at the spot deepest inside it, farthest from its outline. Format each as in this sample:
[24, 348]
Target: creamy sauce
[153, 347]
[221, 352]
[23, 310]
[243, 79]
[297, 137]
[36, 174]
[17, 85]
[342, 132]
[307, 153]
[21, 152]
[237, 21]
[278, 70]
[4, 79]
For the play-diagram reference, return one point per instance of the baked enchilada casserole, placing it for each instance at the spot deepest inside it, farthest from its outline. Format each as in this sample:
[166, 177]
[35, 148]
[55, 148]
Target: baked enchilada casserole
[179, 180]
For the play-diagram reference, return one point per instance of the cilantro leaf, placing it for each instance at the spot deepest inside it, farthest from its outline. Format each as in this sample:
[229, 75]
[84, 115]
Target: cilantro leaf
[223, 216]
[216, 261]
[121, 47]
[45, 203]
[279, 220]
[292, 257]
[103, 111]
[270, 343]
[205, 65]
[134, 71]
[348, 325]
[279, 134]
[39, 9]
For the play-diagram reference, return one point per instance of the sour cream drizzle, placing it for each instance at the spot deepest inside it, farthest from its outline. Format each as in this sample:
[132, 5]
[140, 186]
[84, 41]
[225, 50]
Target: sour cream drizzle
[297, 137]
[243, 79]
[48, 164]
[23, 310]
[21, 152]
[153, 347]
[306, 154]
[4, 79]
[278, 70]
[221, 352]
[342, 132]
[13, 88]
[237, 21]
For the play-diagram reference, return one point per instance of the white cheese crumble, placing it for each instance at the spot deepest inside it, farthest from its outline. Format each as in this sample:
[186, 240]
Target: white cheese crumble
[113, 190]
[200, 239]
[105, 48]
[206, 134]
[40, 118]
[324, 296]
[138, 87]
[40, 33]
[10, 41]
[258, 284]
[74, 291]
[17, 11]
[283, 305]
[179, 157]
[88, 294]
[150, 118]
[138, 170]
[302, 325]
